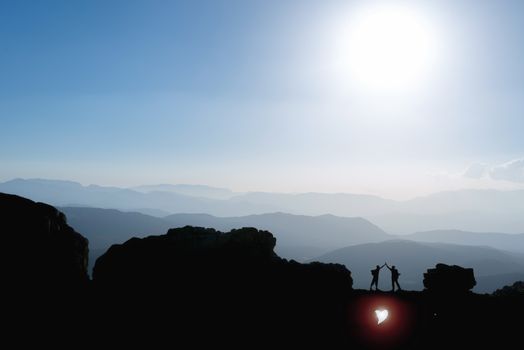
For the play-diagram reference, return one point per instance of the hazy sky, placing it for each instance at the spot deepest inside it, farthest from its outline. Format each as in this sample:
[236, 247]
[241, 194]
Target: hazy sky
[263, 95]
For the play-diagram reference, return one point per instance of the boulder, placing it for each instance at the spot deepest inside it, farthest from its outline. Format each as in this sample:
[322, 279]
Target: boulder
[449, 278]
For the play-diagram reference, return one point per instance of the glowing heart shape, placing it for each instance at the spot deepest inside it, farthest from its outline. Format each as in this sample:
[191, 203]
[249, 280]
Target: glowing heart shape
[382, 315]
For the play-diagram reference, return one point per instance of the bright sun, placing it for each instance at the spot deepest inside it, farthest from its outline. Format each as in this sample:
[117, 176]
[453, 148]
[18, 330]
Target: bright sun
[389, 48]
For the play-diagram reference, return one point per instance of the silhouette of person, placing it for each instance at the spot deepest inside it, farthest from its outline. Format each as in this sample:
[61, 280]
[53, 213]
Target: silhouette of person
[375, 273]
[394, 277]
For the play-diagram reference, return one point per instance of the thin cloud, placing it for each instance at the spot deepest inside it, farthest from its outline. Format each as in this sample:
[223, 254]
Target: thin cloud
[511, 171]
[476, 171]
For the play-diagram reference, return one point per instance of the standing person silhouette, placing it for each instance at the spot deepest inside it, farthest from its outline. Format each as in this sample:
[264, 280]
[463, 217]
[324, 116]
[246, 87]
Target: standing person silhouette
[394, 277]
[375, 273]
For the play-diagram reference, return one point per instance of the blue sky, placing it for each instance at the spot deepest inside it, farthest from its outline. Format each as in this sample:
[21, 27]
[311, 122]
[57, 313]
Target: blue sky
[241, 94]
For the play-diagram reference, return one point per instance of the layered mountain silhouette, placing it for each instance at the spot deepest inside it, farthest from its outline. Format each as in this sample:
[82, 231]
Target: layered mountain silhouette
[509, 242]
[203, 287]
[306, 238]
[467, 210]
[300, 237]
[161, 203]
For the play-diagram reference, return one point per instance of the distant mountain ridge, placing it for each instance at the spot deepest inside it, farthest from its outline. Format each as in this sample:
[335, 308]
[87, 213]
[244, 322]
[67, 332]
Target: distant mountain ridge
[466, 210]
[355, 242]
[228, 288]
[299, 237]
[188, 190]
[306, 238]
[503, 241]
[66, 193]
[295, 232]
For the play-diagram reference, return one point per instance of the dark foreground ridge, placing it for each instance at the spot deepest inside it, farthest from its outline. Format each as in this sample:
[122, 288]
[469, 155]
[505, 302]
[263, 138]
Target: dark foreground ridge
[228, 286]
[200, 287]
[38, 247]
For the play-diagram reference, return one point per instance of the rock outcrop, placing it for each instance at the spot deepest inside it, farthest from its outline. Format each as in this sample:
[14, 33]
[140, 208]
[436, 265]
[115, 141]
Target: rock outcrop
[41, 252]
[220, 282]
[449, 279]
[515, 290]
[192, 258]
[202, 287]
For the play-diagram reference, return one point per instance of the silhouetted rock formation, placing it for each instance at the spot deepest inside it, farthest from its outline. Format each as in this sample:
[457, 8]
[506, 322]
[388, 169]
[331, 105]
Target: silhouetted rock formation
[228, 280]
[446, 278]
[183, 253]
[517, 289]
[162, 259]
[202, 287]
[40, 251]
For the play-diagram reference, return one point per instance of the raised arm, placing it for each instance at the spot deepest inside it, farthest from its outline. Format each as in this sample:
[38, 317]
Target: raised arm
[389, 268]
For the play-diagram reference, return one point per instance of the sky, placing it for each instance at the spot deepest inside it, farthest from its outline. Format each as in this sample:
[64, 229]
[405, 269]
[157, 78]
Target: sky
[281, 96]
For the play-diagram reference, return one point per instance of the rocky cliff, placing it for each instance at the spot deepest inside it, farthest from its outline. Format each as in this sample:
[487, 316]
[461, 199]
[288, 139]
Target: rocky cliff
[40, 250]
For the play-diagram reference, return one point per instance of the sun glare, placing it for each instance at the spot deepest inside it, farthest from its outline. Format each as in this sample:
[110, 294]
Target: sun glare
[389, 48]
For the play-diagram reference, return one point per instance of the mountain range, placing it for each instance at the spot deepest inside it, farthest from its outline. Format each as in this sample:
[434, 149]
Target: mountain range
[299, 237]
[306, 226]
[503, 241]
[466, 210]
[202, 191]
[354, 242]
[232, 288]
